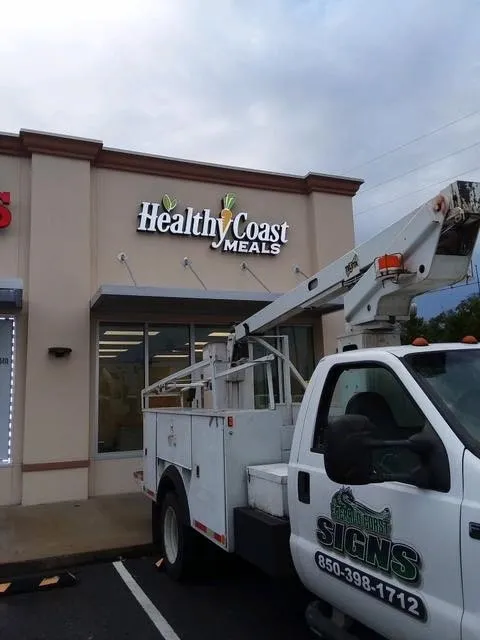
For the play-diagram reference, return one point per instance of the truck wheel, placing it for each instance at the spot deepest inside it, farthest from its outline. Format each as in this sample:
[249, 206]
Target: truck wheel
[176, 539]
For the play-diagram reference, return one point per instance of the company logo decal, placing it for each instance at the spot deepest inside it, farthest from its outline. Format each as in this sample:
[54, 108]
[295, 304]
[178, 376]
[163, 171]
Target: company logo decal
[363, 537]
[5, 214]
[229, 232]
[351, 266]
[344, 508]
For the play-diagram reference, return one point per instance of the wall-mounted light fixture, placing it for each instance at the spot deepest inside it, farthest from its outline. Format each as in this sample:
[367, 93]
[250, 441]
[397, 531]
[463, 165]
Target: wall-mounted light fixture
[59, 352]
[123, 259]
[296, 269]
[244, 267]
[187, 263]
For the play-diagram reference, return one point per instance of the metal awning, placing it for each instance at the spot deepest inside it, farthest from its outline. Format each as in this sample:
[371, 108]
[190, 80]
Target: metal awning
[11, 295]
[121, 299]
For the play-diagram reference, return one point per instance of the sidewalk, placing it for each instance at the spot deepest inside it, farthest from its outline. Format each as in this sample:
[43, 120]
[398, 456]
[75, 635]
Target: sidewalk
[43, 537]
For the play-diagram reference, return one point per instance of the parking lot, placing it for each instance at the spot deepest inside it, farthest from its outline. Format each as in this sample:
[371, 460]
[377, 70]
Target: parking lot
[234, 603]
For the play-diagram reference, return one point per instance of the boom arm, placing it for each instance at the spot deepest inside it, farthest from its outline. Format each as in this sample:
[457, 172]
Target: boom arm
[429, 248]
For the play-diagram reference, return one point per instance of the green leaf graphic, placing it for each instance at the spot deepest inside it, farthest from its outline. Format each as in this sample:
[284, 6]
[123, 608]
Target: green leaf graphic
[229, 200]
[169, 203]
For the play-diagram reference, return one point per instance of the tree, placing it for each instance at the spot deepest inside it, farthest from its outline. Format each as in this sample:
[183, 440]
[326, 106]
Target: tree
[448, 326]
[414, 327]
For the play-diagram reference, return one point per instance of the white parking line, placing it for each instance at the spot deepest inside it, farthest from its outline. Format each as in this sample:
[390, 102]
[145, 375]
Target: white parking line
[150, 609]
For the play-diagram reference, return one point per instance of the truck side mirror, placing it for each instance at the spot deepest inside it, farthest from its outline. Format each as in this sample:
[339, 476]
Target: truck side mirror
[348, 450]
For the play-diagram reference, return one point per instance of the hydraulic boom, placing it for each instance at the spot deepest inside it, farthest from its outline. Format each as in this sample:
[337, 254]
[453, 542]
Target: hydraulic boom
[429, 248]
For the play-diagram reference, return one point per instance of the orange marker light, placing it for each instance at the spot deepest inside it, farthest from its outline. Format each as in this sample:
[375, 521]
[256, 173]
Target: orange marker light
[469, 340]
[420, 342]
[389, 263]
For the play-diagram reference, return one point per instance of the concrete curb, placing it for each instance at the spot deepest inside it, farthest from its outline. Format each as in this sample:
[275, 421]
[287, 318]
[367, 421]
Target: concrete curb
[13, 570]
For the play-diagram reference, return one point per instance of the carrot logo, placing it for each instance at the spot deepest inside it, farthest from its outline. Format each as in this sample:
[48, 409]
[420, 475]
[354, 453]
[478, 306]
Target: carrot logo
[226, 214]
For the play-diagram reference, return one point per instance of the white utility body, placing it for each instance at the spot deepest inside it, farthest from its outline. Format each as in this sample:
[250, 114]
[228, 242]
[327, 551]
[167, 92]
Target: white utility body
[367, 490]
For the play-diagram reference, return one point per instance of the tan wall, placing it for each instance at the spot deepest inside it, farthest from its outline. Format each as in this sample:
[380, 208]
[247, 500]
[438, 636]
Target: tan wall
[41, 487]
[156, 259]
[15, 177]
[69, 223]
[7, 486]
[57, 422]
[333, 236]
[108, 477]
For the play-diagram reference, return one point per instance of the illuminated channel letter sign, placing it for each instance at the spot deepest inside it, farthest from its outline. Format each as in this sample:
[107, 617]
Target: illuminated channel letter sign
[229, 232]
[5, 215]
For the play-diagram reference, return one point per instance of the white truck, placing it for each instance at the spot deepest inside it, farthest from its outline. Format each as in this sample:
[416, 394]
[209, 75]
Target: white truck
[368, 490]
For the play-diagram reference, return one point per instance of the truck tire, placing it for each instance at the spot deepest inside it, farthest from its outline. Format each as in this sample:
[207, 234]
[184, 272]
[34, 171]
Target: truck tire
[176, 539]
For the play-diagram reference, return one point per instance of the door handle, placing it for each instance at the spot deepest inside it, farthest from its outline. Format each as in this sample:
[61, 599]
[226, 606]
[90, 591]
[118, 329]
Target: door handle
[303, 486]
[474, 530]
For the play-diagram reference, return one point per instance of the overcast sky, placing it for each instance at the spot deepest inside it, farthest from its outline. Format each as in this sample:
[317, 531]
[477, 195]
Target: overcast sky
[283, 85]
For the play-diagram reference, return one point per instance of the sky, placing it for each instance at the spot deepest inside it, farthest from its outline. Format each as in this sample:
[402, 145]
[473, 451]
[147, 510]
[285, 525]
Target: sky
[383, 90]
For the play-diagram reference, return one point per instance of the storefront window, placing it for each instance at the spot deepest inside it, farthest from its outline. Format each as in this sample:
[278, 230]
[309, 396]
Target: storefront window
[300, 341]
[122, 372]
[204, 334]
[121, 377]
[168, 352]
[260, 375]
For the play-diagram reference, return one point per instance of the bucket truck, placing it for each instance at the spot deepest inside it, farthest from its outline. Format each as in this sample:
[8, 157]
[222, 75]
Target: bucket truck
[366, 490]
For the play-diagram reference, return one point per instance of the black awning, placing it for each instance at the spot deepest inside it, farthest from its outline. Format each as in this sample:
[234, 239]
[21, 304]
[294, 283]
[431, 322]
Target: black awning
[11, 295]
[121, 299]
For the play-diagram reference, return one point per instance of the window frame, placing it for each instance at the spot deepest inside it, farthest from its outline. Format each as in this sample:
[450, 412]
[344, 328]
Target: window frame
[134, 453]
[113, 455]
[329, 389]
[11, 435]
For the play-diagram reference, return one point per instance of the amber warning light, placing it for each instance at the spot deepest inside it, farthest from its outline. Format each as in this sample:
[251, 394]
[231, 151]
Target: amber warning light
[420, 342]
[389, 264]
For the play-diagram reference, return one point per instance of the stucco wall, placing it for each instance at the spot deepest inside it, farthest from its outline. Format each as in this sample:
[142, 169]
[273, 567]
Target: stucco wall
[156, 259]
[70, 220]
[57, 399]
[333, 235]
[108, 477]
[15, 178]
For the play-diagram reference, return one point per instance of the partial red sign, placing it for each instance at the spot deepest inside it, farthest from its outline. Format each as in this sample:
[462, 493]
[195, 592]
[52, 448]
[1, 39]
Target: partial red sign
[5, 214]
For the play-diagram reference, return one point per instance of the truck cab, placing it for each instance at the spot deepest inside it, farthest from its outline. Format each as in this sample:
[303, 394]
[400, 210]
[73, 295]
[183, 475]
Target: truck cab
[383, 489]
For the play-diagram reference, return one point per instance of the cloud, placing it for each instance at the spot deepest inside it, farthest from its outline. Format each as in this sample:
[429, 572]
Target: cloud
[283, 85]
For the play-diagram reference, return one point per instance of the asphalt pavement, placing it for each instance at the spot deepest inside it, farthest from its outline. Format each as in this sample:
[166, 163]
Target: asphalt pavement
[133, 599]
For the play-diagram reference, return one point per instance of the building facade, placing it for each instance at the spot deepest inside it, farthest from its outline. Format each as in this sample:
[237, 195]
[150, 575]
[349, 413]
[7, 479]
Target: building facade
[115, 269]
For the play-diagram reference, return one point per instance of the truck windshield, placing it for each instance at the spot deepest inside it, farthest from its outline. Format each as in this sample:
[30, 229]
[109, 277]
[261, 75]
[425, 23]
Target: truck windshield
[452, 377]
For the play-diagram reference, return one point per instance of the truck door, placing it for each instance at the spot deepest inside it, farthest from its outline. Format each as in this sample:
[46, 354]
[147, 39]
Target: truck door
[470, 544]
[386, 554]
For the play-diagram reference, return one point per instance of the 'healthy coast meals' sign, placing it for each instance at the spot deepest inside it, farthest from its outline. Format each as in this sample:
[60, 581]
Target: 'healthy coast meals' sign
[228, 231]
